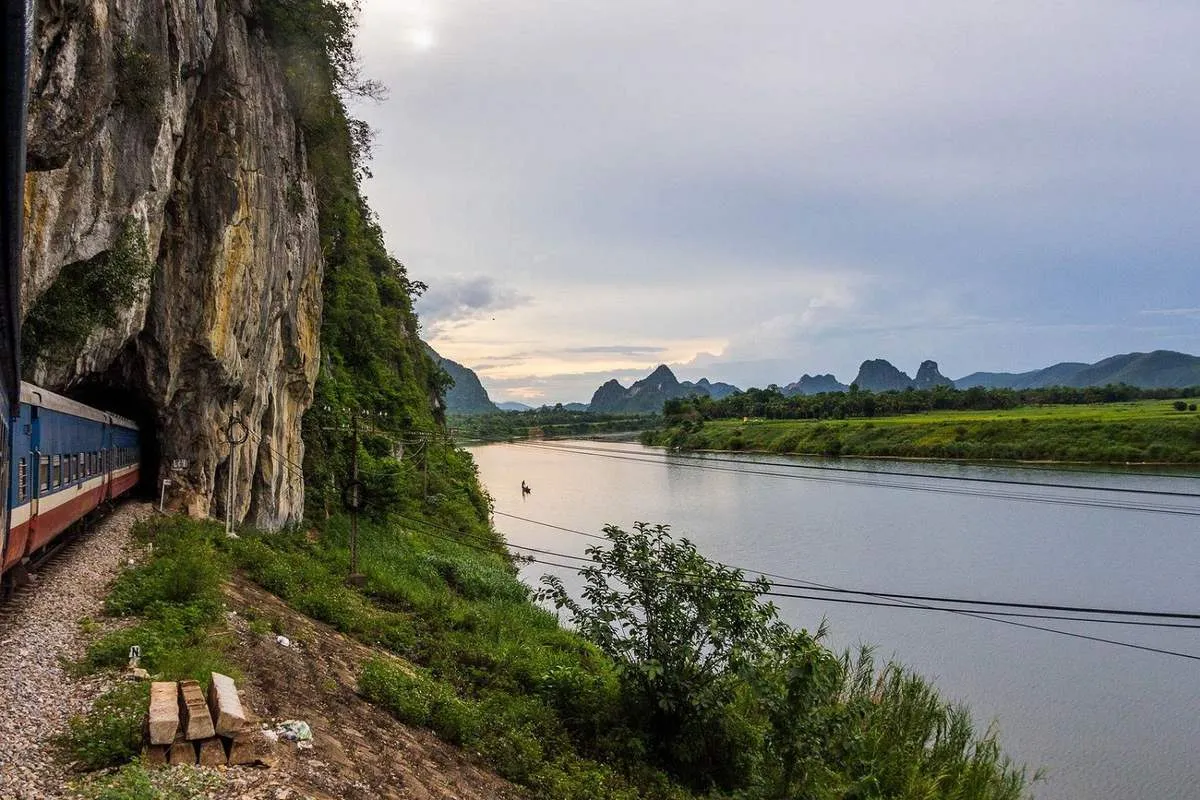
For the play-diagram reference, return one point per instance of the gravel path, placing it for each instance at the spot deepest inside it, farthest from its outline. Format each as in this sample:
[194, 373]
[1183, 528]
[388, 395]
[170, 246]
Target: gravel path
[39, 629]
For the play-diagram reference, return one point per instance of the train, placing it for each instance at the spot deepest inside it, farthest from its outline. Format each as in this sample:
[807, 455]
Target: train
[66, 460]
[59, 459]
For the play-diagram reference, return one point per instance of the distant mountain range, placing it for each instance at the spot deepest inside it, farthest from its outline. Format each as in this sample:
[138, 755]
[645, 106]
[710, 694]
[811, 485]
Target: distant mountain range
[467, 395]
[1159, 369]
[649, 394]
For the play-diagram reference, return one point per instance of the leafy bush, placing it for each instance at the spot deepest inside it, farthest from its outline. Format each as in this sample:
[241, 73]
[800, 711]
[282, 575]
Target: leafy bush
[680, 628]
[111, 733]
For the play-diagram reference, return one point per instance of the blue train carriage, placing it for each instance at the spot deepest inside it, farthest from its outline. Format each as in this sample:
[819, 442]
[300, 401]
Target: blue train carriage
[67, 459]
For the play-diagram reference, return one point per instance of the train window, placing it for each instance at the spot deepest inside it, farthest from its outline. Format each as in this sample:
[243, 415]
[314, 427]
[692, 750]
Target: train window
[44, 474]
[22, 481]
[56, 471]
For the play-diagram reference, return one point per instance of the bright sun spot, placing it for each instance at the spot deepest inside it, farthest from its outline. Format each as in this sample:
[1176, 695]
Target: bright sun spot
[422, 38]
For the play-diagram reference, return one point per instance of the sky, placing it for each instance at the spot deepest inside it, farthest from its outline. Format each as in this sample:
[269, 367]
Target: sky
[752, 191]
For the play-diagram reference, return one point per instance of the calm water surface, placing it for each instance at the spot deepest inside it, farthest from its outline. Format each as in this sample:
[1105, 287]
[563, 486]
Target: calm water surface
[1104, 721]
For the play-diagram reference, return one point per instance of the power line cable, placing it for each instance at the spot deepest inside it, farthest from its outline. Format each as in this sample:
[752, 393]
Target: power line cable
[1032, 498]
[801, 583]
[900, 473]
[1135, 471]
[996, 617]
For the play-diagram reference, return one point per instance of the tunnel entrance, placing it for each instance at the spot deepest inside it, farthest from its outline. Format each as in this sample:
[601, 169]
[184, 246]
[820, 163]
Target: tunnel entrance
[106, 394]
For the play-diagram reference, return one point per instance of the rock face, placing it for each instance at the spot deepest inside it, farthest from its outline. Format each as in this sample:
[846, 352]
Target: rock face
[879, 375]
[929, 377]
[173, 116]
[608, 397]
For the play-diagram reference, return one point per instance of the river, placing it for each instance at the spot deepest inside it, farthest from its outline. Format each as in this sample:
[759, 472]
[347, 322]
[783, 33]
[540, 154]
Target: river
[1103, 721]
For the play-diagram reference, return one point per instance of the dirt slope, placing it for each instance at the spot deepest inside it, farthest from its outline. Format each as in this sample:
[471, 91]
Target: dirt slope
[359, 751]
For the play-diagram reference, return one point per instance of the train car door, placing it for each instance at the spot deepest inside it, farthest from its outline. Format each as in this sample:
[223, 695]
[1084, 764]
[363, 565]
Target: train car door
[38, 477]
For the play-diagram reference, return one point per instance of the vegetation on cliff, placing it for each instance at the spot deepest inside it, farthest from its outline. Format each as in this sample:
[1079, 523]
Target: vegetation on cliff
[373, 363]
[86, 295]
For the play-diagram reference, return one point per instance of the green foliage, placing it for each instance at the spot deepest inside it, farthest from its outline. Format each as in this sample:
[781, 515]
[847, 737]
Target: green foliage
[176, 597]
[732, 697]
[137, 782]
[679, 628]
[496, 673]
[140, 77]
[550, 422]
[185, 570]
[111, 733]
[87, 295]
[771, 403]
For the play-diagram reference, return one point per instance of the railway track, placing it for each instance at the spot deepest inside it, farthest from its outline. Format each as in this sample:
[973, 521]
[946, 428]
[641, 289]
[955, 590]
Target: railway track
[18, 586]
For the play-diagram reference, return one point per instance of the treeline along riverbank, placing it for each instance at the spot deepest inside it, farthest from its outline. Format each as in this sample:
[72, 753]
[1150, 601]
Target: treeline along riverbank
[1114, 424]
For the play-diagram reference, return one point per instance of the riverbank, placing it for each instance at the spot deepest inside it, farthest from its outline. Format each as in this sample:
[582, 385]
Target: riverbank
[1151, 431]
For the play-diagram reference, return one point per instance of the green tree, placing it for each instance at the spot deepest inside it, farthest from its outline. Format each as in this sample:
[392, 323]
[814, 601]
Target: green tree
[681, 628]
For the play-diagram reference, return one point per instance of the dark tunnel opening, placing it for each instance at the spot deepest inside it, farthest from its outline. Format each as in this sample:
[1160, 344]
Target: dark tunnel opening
[107, 395]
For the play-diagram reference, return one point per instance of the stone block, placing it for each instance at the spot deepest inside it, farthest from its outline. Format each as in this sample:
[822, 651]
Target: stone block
[182, 753]
[155, 755]
[251, 747]
[210, 752]
[226, 707]
[197, 723]
[164, 712]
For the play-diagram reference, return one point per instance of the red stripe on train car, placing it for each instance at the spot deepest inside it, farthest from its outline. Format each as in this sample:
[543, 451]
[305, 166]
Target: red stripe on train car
[49, 524]
[15, 548]
[125, 483]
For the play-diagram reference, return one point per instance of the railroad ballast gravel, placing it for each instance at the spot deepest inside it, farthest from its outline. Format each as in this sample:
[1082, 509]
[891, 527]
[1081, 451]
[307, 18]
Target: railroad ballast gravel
[39, 631]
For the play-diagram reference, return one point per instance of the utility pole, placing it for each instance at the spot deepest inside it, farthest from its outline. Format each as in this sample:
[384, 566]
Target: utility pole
[354, 502]
[236, 433]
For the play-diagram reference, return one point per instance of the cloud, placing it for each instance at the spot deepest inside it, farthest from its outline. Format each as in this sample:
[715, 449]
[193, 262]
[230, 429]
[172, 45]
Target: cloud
[787, 187]
[617, 349]
[455, 298]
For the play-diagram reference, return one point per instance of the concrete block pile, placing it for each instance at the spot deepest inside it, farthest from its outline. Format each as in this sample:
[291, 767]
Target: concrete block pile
[185, 727]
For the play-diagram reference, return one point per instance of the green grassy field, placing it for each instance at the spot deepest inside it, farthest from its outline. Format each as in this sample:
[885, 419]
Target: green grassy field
[1135, 432]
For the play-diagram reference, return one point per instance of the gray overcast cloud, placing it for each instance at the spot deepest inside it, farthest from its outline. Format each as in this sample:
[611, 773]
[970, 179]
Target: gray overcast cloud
[749, 192]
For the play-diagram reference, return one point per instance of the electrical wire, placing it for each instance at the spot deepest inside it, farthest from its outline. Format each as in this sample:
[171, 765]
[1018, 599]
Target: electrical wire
[800, 583]
[1134, 471]
[991, 616]
[971, 492]
[897, 473]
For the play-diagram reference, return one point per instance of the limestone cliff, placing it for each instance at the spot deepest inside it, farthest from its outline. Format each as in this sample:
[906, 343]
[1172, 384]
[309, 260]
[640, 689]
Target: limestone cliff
[171, 118]
[928, 376]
